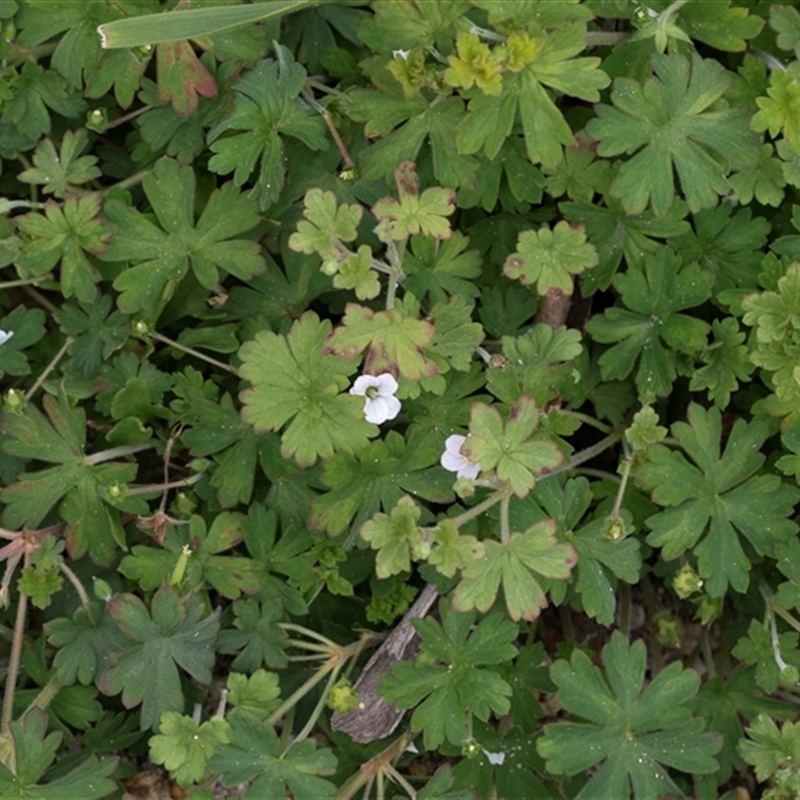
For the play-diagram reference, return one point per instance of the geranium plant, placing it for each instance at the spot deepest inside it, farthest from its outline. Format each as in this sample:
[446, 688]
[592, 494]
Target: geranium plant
[400, 398]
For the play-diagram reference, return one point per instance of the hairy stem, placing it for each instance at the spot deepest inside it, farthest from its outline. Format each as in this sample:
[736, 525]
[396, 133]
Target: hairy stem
[192, 352]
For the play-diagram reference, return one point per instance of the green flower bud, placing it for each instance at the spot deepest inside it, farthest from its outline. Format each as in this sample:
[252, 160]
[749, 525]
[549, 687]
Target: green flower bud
[141, 327]
[180, 567]
[421, 550]
[686, 582]
[102, 591]
[343, 697]
[464, 488]
[97, 119]
[330, 266]
[614, 529]
[183, 505]
[14, 401]
[470, 748]
[117, 491]
[790, 674]
[669, 630]
[708, 609]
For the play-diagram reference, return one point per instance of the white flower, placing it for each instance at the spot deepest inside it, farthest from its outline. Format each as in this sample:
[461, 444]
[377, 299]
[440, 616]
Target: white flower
[5, 336]
[454, 460]
[404, 54]
[380, 403]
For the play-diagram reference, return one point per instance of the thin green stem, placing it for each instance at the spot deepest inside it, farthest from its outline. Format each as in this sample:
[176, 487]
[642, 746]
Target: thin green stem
[708, 656]
[398, 778]
[192, 352]
[312, 720]
[32, 54]
[45, 696]
[321, 87]
[133, 180]
[48, 369]
[26, 282]
[164, 487]
[325, 114]
[298, 694]
[672, 8]
[626, 471]
[75, 581]
[310, 646]
[785, 615]
[290, 626]
[40, 298]
[125, 118]
[477, 510]
[7, 205]
[585, 455]
[117, 452]
[585, 418]
[13, 660]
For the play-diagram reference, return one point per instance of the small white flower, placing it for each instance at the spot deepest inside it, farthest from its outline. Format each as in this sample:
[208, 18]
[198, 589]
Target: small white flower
[404, 54]
[454, 460]
[380, 403]
[5, 336]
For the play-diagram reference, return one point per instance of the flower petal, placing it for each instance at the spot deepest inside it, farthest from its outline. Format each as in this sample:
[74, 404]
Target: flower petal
[393, 406]
[470, 471]
[5, 336]
[387, 384]
[376, 410]
[362, 383]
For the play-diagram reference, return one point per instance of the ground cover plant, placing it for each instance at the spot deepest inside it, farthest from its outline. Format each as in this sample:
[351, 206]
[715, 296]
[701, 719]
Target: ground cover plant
[400, 399]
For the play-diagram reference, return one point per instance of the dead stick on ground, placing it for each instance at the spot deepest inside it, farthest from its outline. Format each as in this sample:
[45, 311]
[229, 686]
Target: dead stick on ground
[378, 717]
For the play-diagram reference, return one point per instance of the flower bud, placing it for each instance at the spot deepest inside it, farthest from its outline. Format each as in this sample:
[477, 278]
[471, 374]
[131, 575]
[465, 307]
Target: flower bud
[102, 590]
[686, 582]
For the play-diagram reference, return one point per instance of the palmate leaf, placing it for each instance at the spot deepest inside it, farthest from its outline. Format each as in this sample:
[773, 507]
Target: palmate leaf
[666, 124]
[255, 752]
[445, 692]
[491, 118]
[184, 746]
[173, 633]
[506, 447]
[34, 91]
[651, 329]
[599, 560]
[717, 498]
[630, 732]
[383, 113]
[375, 479]
[728, 244]
[64, 235]
[549, 258]
[93, 525]
[230, 575]
[395, 342]
[414, 213]
[514, 564]
[85, 643]
[60, 172]
[35, 752]
[395, 536]
[616, 234]
[295, 382]
[162, 254]
[266, 107]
